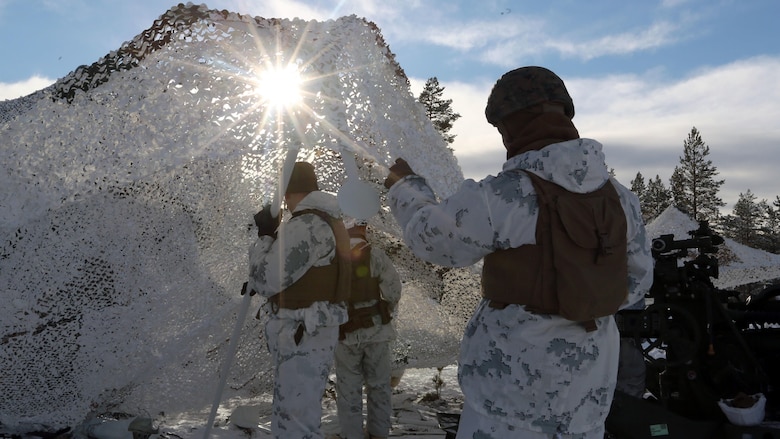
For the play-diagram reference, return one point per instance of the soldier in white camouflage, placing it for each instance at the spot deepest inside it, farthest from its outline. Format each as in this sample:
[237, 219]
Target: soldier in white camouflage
[524, 374]
[363, 356]
[302, 269]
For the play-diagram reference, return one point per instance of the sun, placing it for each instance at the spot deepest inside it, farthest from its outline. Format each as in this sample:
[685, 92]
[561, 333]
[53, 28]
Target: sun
[280, 87]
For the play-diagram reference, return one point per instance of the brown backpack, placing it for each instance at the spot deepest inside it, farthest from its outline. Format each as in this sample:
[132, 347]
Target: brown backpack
[578, 267]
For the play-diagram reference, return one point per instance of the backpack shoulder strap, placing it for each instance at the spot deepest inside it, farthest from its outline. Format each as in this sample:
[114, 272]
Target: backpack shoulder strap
[343, 250]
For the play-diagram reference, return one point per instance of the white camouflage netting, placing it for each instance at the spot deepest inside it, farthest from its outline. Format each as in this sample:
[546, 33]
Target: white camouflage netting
[126, 203]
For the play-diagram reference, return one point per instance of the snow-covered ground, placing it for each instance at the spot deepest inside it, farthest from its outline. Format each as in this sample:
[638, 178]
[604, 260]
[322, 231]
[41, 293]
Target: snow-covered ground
[415, 399]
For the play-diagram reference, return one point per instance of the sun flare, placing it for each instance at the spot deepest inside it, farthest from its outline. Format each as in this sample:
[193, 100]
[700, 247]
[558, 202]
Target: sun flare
[280, 87]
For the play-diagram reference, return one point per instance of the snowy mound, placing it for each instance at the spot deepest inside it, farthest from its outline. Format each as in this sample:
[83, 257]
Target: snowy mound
[738, 264]
[671, 222]
[128, 190]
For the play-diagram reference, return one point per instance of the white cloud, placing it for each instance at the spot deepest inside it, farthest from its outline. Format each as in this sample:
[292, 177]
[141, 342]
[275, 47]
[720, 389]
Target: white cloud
[730, 102]
[656, 35]
[23, 88]
[512, 50]
[480, 34]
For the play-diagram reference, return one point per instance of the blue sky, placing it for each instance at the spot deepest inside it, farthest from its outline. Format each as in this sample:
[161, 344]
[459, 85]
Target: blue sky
[641, 73]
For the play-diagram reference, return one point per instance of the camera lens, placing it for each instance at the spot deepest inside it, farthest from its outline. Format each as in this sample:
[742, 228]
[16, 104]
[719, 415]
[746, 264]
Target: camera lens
[658, 245]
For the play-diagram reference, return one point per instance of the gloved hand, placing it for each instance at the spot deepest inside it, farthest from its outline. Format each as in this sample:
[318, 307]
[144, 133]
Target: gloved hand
[399, 170]
[266, 223]
[243, 289]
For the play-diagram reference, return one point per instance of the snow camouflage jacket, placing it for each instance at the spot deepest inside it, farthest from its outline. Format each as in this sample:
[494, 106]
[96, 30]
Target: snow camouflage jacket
[382, 267]
[535, 372]
[303, 242]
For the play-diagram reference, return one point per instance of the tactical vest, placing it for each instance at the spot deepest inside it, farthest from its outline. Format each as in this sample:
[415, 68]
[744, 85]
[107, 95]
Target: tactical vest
[577, 269]
[330, 282]
[365, 287]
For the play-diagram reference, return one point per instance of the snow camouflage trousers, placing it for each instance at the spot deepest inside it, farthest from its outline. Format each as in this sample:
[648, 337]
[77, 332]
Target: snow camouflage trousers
[300, 376]
[474, 426]
[355, 364]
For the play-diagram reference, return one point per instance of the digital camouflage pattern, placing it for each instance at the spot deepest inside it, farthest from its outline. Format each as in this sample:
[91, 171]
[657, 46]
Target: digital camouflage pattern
[523, 88]
[534, 372]
[300, 376]
[300, 369]
[474, 426]
[364, 357]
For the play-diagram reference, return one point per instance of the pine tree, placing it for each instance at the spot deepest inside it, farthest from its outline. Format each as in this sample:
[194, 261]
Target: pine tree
[768, 228]
[747, 215]
[438, 110]
[656, 199]
[693, 185]
[677, 190]
[767, 238]
[772, 226]
[638, 185]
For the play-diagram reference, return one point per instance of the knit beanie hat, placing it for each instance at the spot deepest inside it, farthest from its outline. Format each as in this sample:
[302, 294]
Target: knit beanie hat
[302, 179]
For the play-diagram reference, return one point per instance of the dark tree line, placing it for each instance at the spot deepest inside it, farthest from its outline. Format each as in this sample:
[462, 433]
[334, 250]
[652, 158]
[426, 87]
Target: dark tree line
[754, 223]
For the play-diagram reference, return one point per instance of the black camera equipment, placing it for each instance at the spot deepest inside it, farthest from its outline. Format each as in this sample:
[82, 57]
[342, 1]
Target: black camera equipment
[702, 344]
